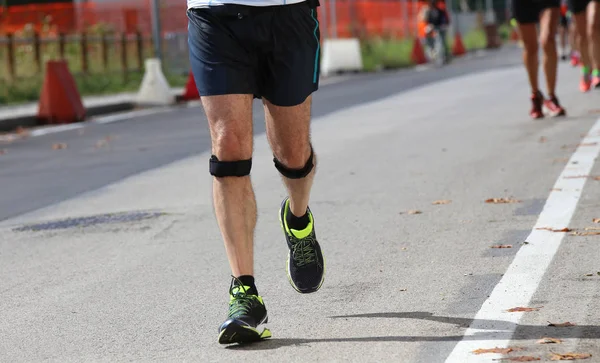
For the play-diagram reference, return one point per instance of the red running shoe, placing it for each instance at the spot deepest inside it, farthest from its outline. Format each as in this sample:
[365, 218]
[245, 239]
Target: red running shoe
[585, 83]
[553, 106]
[574, 59]
[537, 100]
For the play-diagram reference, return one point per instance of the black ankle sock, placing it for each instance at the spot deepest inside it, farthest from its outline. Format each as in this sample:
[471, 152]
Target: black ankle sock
[247, 280]
[297, 223]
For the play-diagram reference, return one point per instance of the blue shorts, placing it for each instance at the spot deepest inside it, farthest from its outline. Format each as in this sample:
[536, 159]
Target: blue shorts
[271, 52]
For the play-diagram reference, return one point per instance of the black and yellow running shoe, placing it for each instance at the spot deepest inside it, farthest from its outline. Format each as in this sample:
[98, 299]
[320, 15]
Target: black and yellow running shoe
[246, 312]
[305, 263]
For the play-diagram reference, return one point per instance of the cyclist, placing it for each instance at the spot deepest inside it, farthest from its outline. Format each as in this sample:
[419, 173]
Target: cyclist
[435, 19]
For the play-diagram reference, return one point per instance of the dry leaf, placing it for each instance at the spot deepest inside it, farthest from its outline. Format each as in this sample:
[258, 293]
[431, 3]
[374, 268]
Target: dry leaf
[402, 290]
[548, 340]
[561, 325]
[22, 131]
[596, 220]
[523, 358]
[594, 233]
[596, 177]
[554, 230]
[502, 246]
[494, 350]
[502, 200]
[521, 309]
[570, 356]
[59, 146]
[414, 211]
[444, 201]
[589, 275]
[543, 139]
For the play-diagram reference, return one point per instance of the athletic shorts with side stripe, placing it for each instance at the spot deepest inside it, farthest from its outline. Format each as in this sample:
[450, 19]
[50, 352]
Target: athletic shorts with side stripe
[271, 52]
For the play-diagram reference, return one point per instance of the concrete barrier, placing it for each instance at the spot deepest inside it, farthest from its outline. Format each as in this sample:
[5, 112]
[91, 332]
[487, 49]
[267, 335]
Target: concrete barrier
[341, 55]
[155, 89]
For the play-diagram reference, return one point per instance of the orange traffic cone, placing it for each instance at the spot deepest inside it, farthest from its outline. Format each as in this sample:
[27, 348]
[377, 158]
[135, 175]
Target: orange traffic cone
[458, 48]
[191, 91]
[60, 101]
[418, 54]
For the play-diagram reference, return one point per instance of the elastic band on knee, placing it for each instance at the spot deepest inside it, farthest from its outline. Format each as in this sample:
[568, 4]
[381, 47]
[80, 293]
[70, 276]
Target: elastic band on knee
[221, 169]
[296, 173]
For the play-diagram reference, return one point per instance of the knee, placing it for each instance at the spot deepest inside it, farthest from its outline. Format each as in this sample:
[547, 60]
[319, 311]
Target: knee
[297, 164]
[593, 29]
[231, 144]
[548, 43]
[293, 156]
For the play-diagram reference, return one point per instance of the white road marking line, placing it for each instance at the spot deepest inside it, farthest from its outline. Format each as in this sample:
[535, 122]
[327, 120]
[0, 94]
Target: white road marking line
[121, 116]
[523, 276]
[54, 129]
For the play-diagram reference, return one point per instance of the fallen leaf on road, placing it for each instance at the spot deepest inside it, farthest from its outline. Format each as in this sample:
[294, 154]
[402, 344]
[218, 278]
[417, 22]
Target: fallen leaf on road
[543, 139]
[501, 246]
[523, 358]
[596, 220]
[414, 212]
[521, 309]
[589, 274]
[598, 273]
[548, 340]
[439, 202]
[596, 233]
[495, 350]
[502, 200]
[402, 290]
[570, 356]
[59, 146]
[22, 131]
[596, 177]
[554, 230]
[561, 325]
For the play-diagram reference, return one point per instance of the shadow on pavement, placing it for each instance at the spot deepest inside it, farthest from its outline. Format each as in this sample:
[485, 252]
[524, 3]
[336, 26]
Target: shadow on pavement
[513, 331]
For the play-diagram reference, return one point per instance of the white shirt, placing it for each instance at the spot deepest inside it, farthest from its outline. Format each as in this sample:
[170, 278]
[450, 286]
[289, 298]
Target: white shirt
[204, 3]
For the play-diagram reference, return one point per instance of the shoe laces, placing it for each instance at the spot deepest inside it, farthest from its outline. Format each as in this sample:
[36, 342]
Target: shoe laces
[240, 302]
[303, 250]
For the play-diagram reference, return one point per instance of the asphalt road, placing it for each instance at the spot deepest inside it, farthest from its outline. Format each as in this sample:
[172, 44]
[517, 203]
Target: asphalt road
[111, 253]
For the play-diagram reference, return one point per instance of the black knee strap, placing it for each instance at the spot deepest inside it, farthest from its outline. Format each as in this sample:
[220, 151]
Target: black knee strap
[295, 173]
[229, 168]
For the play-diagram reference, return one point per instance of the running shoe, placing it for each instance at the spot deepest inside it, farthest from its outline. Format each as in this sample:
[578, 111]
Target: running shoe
[575, 59]
[596, 79]
[537, 101]
[585, 83]
[305, 263]
[246, 312]
[553, 106]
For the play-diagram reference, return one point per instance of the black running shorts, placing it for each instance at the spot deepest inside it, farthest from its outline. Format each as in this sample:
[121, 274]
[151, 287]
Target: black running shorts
[271, 52]
[564, 21]
[578, 6]
[528, 11]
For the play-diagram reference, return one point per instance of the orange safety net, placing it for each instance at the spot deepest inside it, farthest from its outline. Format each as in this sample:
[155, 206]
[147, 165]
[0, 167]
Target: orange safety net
[361, 18]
